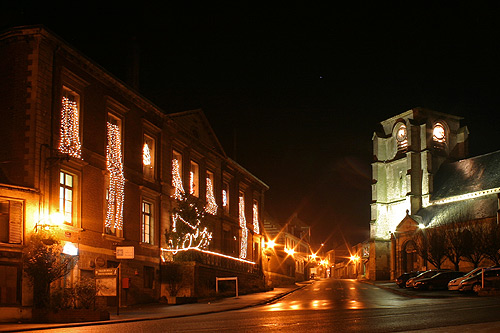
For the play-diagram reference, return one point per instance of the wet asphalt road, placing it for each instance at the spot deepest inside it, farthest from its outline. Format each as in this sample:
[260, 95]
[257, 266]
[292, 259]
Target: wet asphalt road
[331, 306]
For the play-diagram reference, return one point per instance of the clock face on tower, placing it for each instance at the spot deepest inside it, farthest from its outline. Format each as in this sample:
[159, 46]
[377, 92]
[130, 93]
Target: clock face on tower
[438, 133]
[401, 135]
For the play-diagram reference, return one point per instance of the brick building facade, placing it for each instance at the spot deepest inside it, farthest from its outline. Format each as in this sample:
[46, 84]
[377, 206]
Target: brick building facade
[78, 141]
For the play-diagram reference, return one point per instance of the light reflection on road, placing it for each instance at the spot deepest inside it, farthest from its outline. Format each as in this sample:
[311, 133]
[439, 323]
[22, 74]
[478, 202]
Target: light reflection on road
[330, 294]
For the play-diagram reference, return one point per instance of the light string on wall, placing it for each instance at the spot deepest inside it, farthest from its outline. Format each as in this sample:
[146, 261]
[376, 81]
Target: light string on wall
[70, 129]
[256, 227]
[146, 154]
[211, 206]
[116, 193]
[244, 230]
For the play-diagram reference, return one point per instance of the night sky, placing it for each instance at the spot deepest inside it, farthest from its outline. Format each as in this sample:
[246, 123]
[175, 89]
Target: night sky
[294, 93]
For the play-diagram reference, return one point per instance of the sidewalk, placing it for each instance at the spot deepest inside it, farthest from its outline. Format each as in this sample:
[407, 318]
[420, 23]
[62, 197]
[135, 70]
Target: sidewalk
[159, 311]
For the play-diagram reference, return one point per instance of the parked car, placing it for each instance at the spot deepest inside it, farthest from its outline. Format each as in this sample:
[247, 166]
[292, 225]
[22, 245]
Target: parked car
[427, 274]
[401, 280]
[438, 281]
[453, 284]
[474, 283]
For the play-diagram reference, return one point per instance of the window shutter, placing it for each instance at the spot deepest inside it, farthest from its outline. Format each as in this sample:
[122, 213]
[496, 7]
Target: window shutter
[15, 222]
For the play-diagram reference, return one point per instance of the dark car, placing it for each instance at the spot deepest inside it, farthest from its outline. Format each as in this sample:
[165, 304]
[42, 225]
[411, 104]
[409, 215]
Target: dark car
[438, 281]
[401, 280]
[427, 274]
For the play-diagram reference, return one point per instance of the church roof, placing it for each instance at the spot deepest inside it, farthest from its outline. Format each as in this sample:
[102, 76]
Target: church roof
[466, 176]
[459, 211]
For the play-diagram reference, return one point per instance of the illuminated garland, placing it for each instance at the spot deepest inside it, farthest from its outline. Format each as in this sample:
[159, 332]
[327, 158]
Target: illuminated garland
[176, 179]
[146, 155]
[190, 240]
[191, 182]
[256, 228]
[244, 230]
[211, 206]
[70, 129]
[165, 252]
[114, 215]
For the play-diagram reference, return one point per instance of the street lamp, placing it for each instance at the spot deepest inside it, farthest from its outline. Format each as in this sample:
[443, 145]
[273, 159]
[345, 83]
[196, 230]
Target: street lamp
[355, 259]
[54, 220]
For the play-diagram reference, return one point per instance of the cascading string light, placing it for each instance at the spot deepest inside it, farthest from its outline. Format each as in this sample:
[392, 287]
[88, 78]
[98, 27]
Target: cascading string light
[176, 179]
[211, 206]
[256, 227]
[198, 239]
[116, 196]
[70, 129]
[244, 230]
[146, 154]
[191, 182]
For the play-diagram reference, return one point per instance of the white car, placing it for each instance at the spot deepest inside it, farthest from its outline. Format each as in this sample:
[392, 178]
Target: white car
[453, 284]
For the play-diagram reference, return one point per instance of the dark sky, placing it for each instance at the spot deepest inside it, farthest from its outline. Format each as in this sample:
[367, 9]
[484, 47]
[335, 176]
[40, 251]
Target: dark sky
[295, 92]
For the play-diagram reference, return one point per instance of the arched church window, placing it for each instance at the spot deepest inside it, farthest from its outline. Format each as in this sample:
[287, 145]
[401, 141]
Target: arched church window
[402, 138]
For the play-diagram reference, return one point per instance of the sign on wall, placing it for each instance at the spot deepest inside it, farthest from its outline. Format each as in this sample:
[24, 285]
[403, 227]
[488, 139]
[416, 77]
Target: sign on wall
[105, 280]
[124, 252]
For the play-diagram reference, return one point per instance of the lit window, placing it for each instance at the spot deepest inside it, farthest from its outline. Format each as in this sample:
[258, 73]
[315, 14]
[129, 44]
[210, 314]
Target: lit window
[148, 157]
[402, 138]
[147, 225]
[439, 133]
[225, 196]
[194, 179]
[70, 125]
[177, 174]
[211, 206]
[66, 193]
[116, 188]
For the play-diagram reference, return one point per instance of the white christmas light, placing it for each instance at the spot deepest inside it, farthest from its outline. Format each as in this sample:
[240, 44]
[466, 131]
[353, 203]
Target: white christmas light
[70, 129]
[146, 154]
[198, 239]
[176, 179]
[114, 215]
[244, 230]
[204, 251]
[256, 228]
[211, 206]
[191, 182]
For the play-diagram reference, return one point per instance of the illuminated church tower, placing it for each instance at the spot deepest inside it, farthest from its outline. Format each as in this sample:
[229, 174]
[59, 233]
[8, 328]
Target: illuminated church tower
[408, 150]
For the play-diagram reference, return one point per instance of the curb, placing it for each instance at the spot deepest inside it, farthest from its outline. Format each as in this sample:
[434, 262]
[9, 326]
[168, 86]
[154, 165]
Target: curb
[129, 320]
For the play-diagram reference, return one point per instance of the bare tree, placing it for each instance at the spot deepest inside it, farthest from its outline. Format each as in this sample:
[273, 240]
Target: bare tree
[431, 245]
[492, 242]
[455, 243]
[474, 235]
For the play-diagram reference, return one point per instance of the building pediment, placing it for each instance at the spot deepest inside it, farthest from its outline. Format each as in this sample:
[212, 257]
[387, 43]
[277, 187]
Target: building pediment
[194, 124]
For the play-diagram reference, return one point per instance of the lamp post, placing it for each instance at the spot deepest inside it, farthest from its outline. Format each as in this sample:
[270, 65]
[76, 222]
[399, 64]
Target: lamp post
[355, 259]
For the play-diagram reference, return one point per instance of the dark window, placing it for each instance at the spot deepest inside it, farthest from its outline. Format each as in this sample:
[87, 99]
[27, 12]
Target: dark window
[149, 277]
[10, 286]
